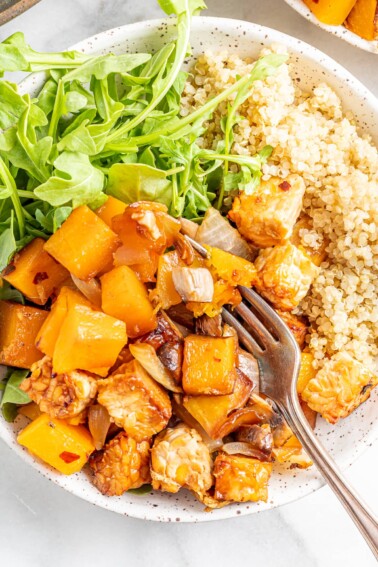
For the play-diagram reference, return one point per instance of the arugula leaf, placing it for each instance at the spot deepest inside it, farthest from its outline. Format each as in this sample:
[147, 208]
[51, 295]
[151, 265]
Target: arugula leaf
[102, 66]
[142, 490]
[12, 395]
[9, 293]
[162, 84]
[53, 219]
[180, 6]
[75, 180]
[132, 182]
[17, 55]
[8, 247]
[12, 105]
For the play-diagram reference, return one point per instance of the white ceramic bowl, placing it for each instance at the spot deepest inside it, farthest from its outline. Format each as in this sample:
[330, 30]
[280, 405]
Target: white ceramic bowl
[350, 437]
[339, 31]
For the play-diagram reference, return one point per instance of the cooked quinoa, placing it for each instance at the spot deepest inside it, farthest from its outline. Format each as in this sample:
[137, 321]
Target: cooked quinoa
[312, 136]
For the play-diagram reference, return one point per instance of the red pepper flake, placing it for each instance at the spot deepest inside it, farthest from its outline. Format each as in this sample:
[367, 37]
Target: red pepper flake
[217, 359]
[68, 457]
[40, 277]
[285, 186]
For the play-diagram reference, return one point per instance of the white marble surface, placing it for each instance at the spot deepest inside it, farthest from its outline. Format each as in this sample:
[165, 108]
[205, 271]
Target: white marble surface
[41, 525]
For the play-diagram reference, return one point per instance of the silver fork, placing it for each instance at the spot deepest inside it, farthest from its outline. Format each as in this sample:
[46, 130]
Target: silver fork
[277, 352]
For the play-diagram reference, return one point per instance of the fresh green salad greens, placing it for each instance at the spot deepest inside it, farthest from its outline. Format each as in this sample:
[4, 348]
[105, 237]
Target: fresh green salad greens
[110, 124]
[12, 396]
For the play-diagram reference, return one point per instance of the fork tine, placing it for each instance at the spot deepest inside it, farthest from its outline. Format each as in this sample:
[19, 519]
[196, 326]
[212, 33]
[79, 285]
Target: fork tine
[245, 337]
[256, 326]
[268, 316]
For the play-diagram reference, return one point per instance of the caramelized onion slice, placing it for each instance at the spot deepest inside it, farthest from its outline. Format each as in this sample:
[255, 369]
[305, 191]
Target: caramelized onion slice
[248, 364]
[240, 448]
[91, 289]
[243, 416]
[146, 355]
[216, 231]
[98, 423]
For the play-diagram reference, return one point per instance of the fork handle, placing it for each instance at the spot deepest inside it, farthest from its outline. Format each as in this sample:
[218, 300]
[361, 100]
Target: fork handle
[358, 511]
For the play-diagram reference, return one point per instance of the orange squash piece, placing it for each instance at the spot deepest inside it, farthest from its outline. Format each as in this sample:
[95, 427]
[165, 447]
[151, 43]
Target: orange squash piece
[233, 269]
[88, 340]
[332, 12]
[306, 372]
[212, 411]
[49, 332]
[209, 365]
[110, 209]
[19, 326]
[125, 297]
[165, 292]
[363, 19]
[31, 411]
[84, 244]
[35, 273]
[65, 447]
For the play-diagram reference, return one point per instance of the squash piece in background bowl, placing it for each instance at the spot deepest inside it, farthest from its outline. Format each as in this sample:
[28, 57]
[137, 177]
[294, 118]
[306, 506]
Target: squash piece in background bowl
[363, 19]
[331, 12]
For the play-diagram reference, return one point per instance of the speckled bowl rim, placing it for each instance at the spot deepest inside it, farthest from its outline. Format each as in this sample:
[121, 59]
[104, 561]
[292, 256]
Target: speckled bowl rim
[338, 31]
[139, 507]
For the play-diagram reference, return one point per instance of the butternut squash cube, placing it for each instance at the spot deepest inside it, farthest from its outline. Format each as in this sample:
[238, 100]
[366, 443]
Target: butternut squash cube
[125, 297]
[19, 326]
[233, 269]
[65, 447]
[35, 273]
[332, 12]
[84, 244]
[88, 340]
[307, 371]
[209, 365]
[212, 411]
[165, 292]
[49, 332]
[363, 19]
[110, 209]
[241, 479]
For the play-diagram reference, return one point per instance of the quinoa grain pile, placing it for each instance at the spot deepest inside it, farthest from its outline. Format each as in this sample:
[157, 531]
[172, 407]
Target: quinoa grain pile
[312, 136]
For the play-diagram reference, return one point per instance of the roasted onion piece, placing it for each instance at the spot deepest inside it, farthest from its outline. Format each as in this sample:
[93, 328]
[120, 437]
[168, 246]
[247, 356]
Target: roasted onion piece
[91, 289]
[188, 419]
[146, 356]
[210, 326]
[248, 364]
[242, 448]
[216, 231]
[98, 423]
[171, 355]
[259, 436]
